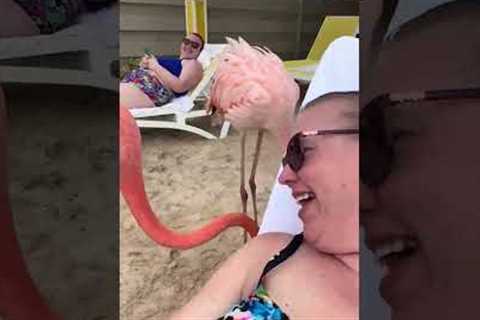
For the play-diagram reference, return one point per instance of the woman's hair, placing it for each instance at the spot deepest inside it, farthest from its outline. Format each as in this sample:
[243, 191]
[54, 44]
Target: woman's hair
[199, 36]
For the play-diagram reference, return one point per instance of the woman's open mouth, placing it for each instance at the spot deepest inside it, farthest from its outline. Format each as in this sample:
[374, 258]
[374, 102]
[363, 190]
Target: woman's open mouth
[397, 255]
[303, 197]
[391, 251]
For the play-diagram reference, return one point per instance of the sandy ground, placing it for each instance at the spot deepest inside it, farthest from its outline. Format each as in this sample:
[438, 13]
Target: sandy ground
[63, 195]
[63, 189]
[189, 180]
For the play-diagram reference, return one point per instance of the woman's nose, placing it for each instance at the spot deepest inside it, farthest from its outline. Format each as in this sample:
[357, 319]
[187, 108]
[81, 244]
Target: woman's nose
[287, 176]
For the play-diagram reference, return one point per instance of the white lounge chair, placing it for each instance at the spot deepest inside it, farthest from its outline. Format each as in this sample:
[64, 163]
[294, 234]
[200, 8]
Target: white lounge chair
[80, 55]
[183, 108]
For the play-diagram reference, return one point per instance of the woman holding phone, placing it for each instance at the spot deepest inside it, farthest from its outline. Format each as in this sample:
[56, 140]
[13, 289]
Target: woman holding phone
[158, 80]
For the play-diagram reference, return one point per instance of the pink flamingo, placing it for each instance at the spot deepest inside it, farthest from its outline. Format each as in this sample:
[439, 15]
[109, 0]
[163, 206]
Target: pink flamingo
[19, 298]
[253, 91]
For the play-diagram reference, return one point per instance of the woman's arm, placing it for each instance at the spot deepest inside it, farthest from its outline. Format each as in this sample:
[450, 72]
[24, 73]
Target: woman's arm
[221, 292]
[191, 75]
[234, 280]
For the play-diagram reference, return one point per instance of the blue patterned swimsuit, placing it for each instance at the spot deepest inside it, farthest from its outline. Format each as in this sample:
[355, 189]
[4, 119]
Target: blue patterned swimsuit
[259, 306]
[151, 86]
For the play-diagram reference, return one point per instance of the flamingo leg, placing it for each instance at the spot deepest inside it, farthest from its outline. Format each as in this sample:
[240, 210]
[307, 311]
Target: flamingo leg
[253, 187]
[243, 190]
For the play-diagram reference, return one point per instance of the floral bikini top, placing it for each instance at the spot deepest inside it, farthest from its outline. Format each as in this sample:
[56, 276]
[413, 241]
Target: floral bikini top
[259, 306]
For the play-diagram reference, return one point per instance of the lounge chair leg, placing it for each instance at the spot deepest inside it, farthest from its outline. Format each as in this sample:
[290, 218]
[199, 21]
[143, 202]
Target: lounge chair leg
[243, 191]
[253, 187]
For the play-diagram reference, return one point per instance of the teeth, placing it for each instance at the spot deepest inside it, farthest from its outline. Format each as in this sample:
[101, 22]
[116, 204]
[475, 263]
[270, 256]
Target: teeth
[304, 196]
[394, 246]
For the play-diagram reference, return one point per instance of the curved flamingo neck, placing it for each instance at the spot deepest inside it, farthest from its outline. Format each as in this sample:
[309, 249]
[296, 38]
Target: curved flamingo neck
[19, 299]
[133, 189]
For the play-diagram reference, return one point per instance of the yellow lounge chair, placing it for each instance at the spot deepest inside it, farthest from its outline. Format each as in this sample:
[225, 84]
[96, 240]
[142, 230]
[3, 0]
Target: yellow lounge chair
[196, 17]
[332, 28]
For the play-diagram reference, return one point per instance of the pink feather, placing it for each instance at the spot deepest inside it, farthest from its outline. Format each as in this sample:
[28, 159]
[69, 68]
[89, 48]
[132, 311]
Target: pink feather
[251, 86]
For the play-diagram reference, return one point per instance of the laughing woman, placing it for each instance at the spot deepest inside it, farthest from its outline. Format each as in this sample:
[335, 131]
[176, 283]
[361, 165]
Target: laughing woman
[313, 275]
[158, 80]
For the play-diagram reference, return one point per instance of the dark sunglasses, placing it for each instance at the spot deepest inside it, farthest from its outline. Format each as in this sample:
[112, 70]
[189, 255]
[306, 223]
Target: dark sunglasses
[193, 44]
[295, 155]
[377, 152]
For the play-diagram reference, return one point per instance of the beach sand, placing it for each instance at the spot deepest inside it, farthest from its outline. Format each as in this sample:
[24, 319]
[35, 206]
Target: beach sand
[67, 208]
[63, 197]
[189, 180]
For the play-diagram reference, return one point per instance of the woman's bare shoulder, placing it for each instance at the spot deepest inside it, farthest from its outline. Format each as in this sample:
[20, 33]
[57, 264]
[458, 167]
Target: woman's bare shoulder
[193, 68]
[193, 63]
[330, 268]
[259, 249]
[332, 286]
[267, 242]
[256, 254]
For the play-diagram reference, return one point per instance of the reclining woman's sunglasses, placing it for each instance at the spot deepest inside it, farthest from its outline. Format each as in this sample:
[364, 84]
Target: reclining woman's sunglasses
[295, 155]
[193, 44]
[377, 142]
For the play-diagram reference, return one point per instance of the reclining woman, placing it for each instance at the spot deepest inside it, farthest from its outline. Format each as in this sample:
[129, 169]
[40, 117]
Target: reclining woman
[311, 275]
[158, 80]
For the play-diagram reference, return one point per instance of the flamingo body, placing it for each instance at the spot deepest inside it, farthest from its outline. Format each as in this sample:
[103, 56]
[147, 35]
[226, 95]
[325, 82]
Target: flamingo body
[252, 87]
[253, 90]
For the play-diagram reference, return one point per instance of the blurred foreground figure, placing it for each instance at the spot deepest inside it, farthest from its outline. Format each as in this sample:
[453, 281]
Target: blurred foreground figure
[19, 298]
[420, 161]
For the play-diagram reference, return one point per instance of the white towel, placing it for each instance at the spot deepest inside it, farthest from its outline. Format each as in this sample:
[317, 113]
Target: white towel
[338, 71]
